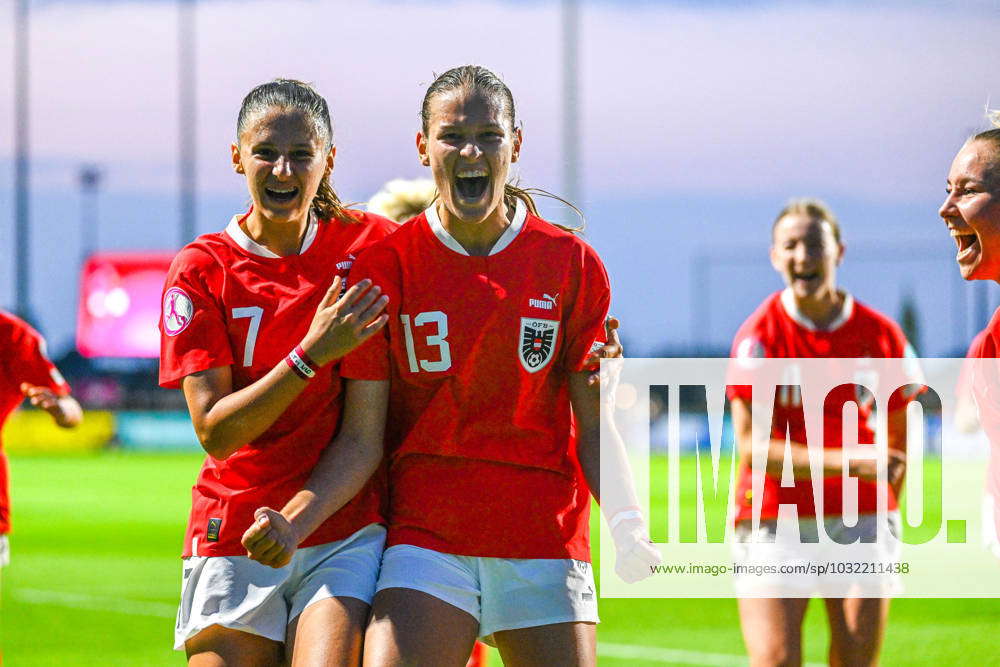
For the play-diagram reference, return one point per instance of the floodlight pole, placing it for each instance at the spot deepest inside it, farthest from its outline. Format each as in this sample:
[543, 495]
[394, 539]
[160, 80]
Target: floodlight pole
[188, 156]
[571, 102]
[90, 182]
[22, 213]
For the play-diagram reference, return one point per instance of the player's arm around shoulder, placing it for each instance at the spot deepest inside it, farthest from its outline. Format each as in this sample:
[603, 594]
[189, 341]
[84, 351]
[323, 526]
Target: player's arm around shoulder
[346, 464]
[635, 556]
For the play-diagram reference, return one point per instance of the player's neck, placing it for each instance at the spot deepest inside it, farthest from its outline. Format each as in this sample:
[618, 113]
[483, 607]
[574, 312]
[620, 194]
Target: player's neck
[282, 238]
[822, 308]
[478, 238]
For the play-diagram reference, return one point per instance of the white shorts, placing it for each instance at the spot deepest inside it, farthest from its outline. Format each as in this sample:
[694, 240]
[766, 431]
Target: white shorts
[500, 593]
[238, 593]
[779, 561]
[4, 551]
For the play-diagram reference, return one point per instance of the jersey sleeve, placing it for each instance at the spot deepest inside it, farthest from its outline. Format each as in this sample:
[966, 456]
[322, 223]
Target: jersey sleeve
[193, 334]
[370, 360]
[33, 364]
[585, 332]
[746, 356]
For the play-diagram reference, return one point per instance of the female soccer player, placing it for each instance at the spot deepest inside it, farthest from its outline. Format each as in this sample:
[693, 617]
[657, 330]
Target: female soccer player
[971, 211]
[27, 373]
[811, 317]
[251, 327]
[493, 315]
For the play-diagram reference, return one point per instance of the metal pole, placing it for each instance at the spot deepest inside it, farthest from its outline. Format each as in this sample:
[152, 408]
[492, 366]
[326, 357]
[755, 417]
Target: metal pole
[571, 105]
[22, 213]
[701, 311]
[90, 181]
[188, 156]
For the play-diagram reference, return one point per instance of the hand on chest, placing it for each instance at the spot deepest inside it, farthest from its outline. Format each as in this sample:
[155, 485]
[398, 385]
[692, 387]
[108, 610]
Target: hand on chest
[267, 318]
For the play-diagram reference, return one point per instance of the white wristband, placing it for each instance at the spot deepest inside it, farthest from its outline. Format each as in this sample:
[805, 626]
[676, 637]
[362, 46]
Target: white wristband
[623, 515]
[299, 364]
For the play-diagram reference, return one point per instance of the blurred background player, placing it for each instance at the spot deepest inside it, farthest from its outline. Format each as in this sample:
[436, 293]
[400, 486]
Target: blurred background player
[401, 199]
[971, 211]
[495, 316]
[967, 424]
[26, 372]
[811, 317]
[966, 415]
[251, 329]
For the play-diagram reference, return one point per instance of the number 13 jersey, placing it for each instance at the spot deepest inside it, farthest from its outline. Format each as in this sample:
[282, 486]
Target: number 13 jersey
[479, 350]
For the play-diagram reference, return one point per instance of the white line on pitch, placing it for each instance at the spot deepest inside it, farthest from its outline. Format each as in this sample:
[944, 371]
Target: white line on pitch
[96, 602]
[676, 656]
[163, 610]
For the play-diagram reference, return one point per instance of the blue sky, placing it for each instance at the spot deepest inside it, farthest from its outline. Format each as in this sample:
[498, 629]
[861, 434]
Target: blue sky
[697, 125]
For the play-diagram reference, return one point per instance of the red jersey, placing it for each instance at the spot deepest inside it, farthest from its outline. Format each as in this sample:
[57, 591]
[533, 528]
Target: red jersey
[778, 330]
[22, 359]
[479, 350]
[963, 386]
[231, 302]
[986, 389]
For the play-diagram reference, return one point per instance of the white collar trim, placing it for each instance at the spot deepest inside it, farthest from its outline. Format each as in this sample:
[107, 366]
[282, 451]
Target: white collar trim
[240, 238]
[788, 303]
[508, 236]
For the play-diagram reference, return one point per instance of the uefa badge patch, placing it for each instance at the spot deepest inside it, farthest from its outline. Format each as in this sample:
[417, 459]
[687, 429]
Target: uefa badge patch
[177, 311]
[538, 342]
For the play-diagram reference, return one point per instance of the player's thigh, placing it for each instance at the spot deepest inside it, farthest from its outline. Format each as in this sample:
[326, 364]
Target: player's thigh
[857, 626]
[410, 627]
[555, 645]
[329, 598]
[216, 646]
[772, 629]
[328, 632]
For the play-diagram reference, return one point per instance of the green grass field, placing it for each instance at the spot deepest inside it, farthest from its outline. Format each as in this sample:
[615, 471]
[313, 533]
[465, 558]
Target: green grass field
[95, 577]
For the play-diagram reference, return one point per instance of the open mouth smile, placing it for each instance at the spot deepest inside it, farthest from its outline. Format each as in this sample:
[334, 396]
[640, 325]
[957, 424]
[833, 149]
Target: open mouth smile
[968, 245]
[471, 184]
[282, 195]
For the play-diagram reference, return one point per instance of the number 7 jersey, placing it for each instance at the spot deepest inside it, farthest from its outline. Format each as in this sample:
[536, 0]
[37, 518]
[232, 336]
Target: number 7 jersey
[231, 302]
[479, 350]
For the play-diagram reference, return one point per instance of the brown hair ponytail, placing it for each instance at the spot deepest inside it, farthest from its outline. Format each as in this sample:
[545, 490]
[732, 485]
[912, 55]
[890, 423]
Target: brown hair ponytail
[511, 193]
[327, 205]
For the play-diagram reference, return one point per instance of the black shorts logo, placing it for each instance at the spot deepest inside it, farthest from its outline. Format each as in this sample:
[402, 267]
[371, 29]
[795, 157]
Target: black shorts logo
[214, 526]
[537, 342]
